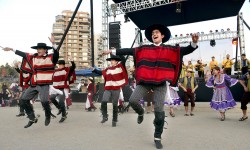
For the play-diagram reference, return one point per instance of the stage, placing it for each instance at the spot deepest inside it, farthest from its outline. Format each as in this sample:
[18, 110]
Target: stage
[203, 93]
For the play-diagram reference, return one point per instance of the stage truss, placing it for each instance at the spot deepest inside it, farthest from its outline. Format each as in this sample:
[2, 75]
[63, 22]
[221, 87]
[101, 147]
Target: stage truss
[136, 5]
[202, 37]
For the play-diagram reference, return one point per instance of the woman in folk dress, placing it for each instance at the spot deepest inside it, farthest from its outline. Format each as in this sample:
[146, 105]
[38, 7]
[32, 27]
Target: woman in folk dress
[172, 99]
[222, 98]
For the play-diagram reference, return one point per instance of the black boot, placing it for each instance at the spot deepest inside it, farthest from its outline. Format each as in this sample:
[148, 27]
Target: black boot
[104, 112]
[29, 110]
[59, 112]
[139, 110]
[32, 120]
[21, 113]
[64, 115]
[159, 124]
[55, 102]
[47, 110]
[115, 115]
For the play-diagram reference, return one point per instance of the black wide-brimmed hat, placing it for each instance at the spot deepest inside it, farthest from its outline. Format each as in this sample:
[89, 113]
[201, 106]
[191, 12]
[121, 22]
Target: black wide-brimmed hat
[41, 45]
[163, 29]
[61, 62]
[114, 57]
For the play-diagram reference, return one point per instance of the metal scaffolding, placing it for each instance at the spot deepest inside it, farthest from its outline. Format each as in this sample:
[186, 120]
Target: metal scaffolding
[136, 5]
[105, 14]
[241, 33]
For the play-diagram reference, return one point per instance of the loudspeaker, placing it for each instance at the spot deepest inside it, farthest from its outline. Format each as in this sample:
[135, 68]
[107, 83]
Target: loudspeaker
[114, 34]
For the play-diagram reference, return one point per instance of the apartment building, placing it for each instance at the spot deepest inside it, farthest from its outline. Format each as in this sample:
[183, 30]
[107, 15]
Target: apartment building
[98, 48]
[77, 41]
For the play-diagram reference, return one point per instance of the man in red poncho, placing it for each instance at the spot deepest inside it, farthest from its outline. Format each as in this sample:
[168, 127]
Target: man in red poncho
[155, 64]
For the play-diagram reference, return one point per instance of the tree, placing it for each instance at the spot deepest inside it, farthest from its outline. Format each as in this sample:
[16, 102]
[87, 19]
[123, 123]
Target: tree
[8, 71]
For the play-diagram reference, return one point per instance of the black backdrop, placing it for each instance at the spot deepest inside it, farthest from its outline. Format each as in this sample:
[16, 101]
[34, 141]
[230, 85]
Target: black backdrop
[203, 93]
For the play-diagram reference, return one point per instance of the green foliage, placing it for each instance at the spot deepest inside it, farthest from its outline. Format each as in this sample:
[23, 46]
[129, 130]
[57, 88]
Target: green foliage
[10, 71]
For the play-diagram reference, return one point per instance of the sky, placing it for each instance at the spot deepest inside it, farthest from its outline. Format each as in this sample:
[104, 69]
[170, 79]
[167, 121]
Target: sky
[27, 22]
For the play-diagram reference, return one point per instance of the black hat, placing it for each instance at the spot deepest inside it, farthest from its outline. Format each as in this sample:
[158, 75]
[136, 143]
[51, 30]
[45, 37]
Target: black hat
[163, 29]
[114, 57]
[41, 45]
[61, 62]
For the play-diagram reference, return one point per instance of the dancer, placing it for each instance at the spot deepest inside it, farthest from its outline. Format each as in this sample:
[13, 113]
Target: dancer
[172, 98]
[41, 66]
[132, 86]
[89, 104]
[115, 77]
[245, 82]
[222, 98]
[5, 93]
[62, 78]
[155, 64]
[24, 79]
[189, 86]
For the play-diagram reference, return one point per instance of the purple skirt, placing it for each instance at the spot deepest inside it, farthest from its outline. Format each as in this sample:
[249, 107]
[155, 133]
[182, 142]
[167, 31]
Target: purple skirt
[222, 99]
[176, 102]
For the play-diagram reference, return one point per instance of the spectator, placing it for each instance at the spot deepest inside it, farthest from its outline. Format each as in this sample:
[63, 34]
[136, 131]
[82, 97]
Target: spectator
[6, 93]
[245, 64]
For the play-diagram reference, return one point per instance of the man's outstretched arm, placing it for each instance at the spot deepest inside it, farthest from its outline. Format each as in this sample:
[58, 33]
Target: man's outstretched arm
[20, 53]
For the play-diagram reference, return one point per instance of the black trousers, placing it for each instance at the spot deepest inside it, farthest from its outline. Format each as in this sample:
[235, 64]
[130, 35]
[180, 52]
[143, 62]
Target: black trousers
[201, 74]
[227, 71]
[245, 100]
[244, 70]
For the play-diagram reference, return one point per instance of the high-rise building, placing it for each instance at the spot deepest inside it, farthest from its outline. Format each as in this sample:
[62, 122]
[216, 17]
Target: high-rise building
[98, 48]
[77, 41]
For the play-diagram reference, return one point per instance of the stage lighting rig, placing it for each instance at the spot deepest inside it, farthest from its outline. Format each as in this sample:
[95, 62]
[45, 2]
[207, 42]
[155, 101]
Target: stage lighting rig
[235, 41]
[212, 43]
